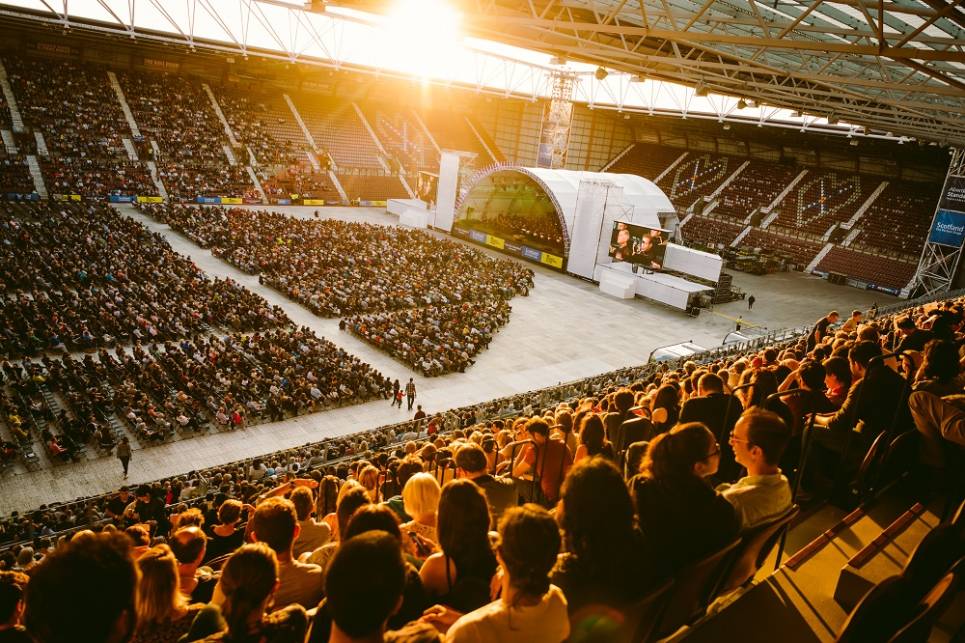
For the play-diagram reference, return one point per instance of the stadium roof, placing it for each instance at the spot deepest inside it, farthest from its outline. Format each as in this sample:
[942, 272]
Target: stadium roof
[895, 67]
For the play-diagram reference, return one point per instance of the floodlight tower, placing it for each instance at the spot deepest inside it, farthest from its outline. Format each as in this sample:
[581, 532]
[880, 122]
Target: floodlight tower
[554, 136]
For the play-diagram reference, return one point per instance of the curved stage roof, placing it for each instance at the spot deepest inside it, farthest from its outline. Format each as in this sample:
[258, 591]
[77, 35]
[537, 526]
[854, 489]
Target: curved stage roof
[562, 187]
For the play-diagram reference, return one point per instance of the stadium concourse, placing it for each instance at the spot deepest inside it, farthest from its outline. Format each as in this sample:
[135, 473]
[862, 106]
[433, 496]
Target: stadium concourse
[537, 348]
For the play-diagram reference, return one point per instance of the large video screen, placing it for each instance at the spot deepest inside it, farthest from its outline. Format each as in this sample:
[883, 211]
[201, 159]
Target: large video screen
[638, 245]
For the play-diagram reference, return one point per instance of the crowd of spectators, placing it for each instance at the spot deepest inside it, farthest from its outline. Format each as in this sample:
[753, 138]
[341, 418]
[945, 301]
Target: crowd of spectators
[435, 339]
[600, 491]
[540, 229]
[64, 102]
[431, 303]
[15, 175]
[190, 157]
[79, 275]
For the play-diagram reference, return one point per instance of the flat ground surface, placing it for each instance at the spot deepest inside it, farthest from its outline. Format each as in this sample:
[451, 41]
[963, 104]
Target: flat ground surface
[564, 330]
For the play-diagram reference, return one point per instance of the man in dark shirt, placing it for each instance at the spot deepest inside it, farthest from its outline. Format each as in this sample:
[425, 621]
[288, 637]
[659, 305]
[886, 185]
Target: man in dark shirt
[718, 412]
[877, 395]
[500, 492]
[912, 337]
[117, 505]
[820, 330]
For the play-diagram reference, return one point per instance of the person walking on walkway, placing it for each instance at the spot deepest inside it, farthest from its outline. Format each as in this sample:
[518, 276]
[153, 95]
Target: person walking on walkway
[124, 453]
[410, 393]
[395, 391]
[750, 302]
[740, 322]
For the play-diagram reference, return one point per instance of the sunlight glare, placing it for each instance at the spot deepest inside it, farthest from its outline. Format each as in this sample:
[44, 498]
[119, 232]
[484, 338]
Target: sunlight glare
[422, 37]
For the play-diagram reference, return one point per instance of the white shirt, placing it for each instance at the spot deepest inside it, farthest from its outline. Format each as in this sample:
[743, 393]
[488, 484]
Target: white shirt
[758, 499]
[546, 622]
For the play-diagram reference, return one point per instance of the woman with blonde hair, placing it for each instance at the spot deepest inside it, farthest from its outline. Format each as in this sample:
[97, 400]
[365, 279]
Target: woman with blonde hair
[249, 580]
[420, 497]
[163, 613]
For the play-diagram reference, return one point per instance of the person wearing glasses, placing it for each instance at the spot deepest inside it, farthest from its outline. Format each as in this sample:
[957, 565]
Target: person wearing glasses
[681, 516]
[759, 439]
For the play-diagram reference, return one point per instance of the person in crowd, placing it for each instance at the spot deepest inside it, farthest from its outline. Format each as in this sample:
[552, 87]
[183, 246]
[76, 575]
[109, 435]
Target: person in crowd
[679, 513]
[837, 380]
[13, 585]
[939, 371]
[163, 612]
[940, 423]
[410, 392]
[364, 587]
[472, 464]
[104, 612]
[529, 607]
[124, 453]
[421, 499]
[312, 534]
[665, 409]
[547, 460]
[249, 581]
[758, 440]
[349, 502]
[877, 399]
[275, 523]
[717, 411]
[226, 536]
[821, 329]
[851, 323]
[196, 583]
[606, 562]
[593, 440]
[459, 576]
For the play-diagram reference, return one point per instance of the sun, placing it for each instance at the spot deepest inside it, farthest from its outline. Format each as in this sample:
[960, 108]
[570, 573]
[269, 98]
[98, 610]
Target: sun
[422, 37]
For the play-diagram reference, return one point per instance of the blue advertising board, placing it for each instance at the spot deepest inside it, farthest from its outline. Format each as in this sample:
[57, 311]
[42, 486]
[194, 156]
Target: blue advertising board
[948, 229]
[529, 253]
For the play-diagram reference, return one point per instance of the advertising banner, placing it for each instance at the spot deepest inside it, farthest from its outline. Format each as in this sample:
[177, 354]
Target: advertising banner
[948, 229]
[119, 198]
[530, 253]
[284, 201]
[313, 201]
[552, 260]
[150, 199]
[209, 200]
[953, 195]
[478, 236]
[231, 200]
[512, 247]
[495, 242]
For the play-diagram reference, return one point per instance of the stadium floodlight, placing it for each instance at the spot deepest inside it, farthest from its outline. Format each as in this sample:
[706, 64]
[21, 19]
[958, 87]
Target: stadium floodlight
[600, 73]
[316, 6]
[742, 104]
[638, 78]
[558, 61]
[700, 91]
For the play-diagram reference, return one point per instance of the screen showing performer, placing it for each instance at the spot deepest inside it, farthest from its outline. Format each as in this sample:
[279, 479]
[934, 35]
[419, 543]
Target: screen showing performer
[638, 245]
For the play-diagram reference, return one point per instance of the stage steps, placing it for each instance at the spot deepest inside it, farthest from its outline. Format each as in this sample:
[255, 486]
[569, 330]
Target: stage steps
[425, 130]
[769, 219]
[9, 142]
[254, 179]
[34, 166]
[338, 185]
[850, 223]
[818, 258]
[481, 139]
[670, 168]
[730, 179]
[852, 235]
[616, 159]
[16, 120]
[221, 117]
[301, 122]
[41, 144]
[152, 168]
[784, 192]
[740, 237]
[130, 149]
[128, 114]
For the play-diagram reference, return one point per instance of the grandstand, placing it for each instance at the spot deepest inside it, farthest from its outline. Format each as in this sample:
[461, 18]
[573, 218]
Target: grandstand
[212, 317]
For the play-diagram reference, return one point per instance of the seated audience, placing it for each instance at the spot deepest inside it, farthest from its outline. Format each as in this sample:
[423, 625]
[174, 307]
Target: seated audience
[13, 585]
[421, 499]
[759, 439]
[163, 613]
[679, 513]
[471, 463]
[546, 460]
